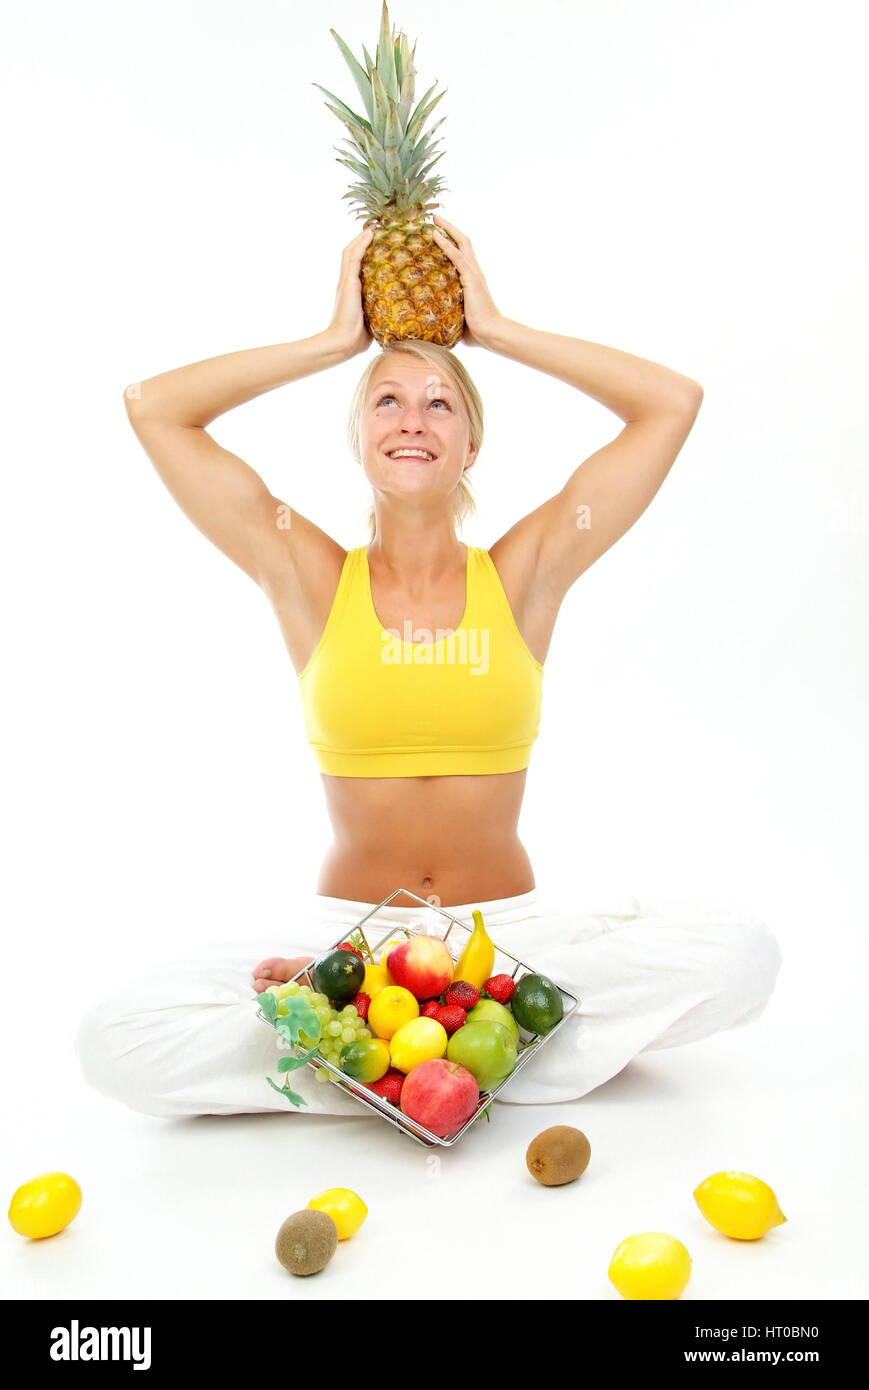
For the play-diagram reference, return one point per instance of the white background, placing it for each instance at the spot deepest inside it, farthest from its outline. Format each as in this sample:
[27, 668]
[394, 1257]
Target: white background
[681, 181]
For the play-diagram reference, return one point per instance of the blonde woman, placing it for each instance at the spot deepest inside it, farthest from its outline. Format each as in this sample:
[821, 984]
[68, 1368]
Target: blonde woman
[420, 665]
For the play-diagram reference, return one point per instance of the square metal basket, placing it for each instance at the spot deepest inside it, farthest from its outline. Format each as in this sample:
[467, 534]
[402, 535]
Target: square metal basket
[455, 935]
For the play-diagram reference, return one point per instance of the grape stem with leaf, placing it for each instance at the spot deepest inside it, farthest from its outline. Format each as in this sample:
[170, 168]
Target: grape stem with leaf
[299, 1018]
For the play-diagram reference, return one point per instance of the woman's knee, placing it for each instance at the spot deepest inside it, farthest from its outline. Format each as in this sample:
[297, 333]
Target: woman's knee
[117, 1055]
[730, 979]
[107, 1054]
[751, 963]
[739, 963]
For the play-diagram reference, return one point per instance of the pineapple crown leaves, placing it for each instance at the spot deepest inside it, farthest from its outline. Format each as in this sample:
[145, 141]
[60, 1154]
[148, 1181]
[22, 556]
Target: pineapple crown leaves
[387, 149]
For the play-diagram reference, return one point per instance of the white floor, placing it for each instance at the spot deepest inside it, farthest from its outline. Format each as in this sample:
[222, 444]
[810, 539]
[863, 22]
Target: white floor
[189, 1208]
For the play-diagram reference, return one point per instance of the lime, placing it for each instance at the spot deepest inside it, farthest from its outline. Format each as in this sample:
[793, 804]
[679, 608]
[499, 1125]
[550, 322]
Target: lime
[651, 1265]
[536, 1004]
[738, 1205]
[365, 1060]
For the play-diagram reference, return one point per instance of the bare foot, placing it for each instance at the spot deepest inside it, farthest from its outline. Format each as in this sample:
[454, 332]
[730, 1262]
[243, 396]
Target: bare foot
[276, 970]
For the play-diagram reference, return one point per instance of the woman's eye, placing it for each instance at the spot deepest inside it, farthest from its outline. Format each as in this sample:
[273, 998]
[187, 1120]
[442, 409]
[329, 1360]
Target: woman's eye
[437, 401]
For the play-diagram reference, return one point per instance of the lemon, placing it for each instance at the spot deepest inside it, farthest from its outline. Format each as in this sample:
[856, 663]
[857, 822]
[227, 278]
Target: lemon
[384, 950]
[738, 1205]
[346, 1209]
[45, 1205]
[420, 1040]
[650, 1265]
[376, 979]
[392, 1007]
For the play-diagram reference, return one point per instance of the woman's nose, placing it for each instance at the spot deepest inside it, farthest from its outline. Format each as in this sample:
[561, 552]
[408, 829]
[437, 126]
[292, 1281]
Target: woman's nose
[412, 419]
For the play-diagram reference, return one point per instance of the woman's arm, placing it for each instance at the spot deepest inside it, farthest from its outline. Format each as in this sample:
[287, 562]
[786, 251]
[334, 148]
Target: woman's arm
[550, 548]
[193, 396]
[223, 496]
[631, 387]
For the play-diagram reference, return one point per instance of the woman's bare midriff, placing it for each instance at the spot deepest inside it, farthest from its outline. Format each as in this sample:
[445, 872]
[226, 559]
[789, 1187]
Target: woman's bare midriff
[452, 839]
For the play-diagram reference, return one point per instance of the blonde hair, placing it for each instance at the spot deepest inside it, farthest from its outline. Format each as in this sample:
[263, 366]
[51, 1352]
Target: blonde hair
[442, 360]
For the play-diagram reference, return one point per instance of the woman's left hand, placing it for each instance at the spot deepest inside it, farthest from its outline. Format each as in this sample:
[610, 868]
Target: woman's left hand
[481, 313]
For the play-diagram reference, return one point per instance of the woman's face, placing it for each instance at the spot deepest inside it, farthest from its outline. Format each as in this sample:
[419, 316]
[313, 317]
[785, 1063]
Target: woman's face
[414, 435]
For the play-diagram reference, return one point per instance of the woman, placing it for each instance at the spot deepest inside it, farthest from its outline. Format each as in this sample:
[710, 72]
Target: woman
[420, 666]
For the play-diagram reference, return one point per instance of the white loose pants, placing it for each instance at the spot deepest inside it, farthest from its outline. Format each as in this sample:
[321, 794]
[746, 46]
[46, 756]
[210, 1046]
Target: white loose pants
[186, 1039]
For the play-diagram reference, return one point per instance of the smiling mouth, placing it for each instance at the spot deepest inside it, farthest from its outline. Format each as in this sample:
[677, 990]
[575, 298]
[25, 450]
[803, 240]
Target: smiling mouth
[422, 454]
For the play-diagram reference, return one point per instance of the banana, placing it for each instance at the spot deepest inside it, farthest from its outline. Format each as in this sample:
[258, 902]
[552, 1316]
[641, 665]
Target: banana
[477, 960]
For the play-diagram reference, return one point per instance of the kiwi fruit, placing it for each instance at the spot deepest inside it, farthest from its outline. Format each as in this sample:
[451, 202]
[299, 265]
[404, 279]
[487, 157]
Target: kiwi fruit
[558, 1155]
[306, 1242]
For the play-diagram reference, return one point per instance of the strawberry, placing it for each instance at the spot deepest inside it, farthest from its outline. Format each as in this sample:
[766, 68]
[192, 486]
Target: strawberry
[451, 1017]
[389, 1086]
[463, 994]
[345, 946]
[430, 1010]
[361, 1003]
[500, 987]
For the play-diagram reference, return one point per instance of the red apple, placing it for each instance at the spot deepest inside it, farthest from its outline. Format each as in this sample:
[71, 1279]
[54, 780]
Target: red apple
[440, 1095]
[423, 965]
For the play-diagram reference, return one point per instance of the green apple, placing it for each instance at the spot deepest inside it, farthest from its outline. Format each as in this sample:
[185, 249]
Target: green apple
[496, 1013]
[486, 1049]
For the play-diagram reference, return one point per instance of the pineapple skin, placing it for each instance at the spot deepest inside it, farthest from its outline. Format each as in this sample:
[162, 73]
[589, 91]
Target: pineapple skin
[410, 287]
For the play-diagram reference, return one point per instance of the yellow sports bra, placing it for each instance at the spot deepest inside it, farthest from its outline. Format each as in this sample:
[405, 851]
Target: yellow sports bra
[378, 703]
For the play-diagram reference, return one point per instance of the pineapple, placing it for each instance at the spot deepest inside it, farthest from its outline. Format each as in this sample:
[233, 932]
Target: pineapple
[410, 288]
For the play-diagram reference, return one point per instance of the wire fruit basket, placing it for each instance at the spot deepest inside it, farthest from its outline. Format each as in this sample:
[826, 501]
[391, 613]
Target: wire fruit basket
[455, 936]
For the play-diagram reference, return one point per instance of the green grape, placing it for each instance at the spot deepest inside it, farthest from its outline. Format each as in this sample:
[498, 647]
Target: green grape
[333, 1029]
[291, 987]
[348, 1011]
[363, 1032]
[323, 1014]
[318, 999]
[306, 991]
[323, 1075]
[349, 1035]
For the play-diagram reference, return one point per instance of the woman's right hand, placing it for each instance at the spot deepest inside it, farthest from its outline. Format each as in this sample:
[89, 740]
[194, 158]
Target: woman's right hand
[277, 970]
[348, 321]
